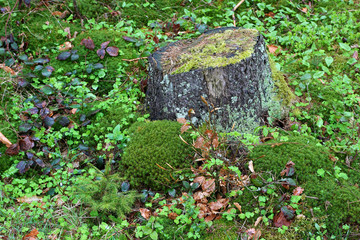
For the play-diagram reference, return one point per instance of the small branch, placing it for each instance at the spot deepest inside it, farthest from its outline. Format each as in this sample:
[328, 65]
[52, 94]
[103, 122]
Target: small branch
[234, 9]
[77, 12]
[133, 60]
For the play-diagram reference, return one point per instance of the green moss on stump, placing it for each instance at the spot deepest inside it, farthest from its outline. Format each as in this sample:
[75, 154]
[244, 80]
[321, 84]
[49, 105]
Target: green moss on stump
[283, 91]
[153, 143]
[212, 50]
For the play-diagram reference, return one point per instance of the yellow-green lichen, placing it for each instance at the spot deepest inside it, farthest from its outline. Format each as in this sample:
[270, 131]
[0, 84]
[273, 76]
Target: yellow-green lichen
[210, 50]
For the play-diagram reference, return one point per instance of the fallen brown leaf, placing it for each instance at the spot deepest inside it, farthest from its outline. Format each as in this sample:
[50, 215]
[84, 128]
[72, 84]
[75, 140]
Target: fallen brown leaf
[200, 180]
[272, 48]
[201, 197]
[209, 186]
[145, 213]
[65, 46]
[257, 221]
[238, 206]
[298, 191]
[356, 55]
[172, 216]
[7, 69]
[32, 235]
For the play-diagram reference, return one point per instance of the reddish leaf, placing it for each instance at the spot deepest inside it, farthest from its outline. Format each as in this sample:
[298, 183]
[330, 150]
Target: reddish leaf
[210, 217]
[289, 169]
[172, 216]
[199, 142]
[200, 180]
[88, 43]
[215, 141]
[26, 144]
[113, 51]
[356, 55]
[181, 120]
[184, 128]
[220, 203]
[238, 206]
[270, 14]
[208, 186]
[176, 28]
[156, 39]
[13, 150]
[145, 213]
[298, 191]
[280, 220]
[101, 53]
[104, 44]
[272, 49]
[32, 235]
[201, 197]
[129, 39]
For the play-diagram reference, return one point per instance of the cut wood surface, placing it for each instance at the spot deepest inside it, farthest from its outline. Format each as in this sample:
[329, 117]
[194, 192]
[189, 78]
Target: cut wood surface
[4, 140]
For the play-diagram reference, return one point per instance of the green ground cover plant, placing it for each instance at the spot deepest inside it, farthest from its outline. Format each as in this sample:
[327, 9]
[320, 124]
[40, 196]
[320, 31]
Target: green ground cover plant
[73, 77]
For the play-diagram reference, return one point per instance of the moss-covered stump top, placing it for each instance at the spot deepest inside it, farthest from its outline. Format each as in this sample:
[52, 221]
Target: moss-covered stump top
[211, 50]
[230, 68]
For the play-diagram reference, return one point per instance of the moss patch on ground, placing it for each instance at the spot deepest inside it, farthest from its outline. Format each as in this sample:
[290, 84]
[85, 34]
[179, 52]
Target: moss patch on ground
[336, 198]
[222, 230]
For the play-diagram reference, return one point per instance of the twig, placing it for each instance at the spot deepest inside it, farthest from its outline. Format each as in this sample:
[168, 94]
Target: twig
[77, 12]
[133, 60]
[234, 9]
[312, 197]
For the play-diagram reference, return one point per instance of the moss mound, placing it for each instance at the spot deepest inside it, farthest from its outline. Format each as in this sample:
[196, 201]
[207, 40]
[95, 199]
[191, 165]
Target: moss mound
[154, 144]
[305, 152]
[336, 198]
[222, 230]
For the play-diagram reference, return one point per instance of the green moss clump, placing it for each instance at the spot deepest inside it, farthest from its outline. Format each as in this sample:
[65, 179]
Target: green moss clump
[222, 230]
[154, 144]
[337, 199]
[305, 152]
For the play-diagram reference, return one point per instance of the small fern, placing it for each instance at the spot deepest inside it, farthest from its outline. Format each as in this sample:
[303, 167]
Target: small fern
[105, 192]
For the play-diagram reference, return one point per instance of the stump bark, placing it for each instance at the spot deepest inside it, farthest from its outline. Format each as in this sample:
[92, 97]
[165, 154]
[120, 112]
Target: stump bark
[229, 67]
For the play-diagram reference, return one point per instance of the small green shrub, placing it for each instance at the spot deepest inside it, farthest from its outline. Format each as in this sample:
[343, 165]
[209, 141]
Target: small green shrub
[154, 144]
[106, 193]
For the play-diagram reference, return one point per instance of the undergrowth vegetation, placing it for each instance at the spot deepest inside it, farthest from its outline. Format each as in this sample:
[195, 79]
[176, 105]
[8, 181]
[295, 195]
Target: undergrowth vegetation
[79, 158]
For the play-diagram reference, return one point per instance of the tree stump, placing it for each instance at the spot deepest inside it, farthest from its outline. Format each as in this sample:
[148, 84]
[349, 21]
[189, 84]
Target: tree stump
[230, 68]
